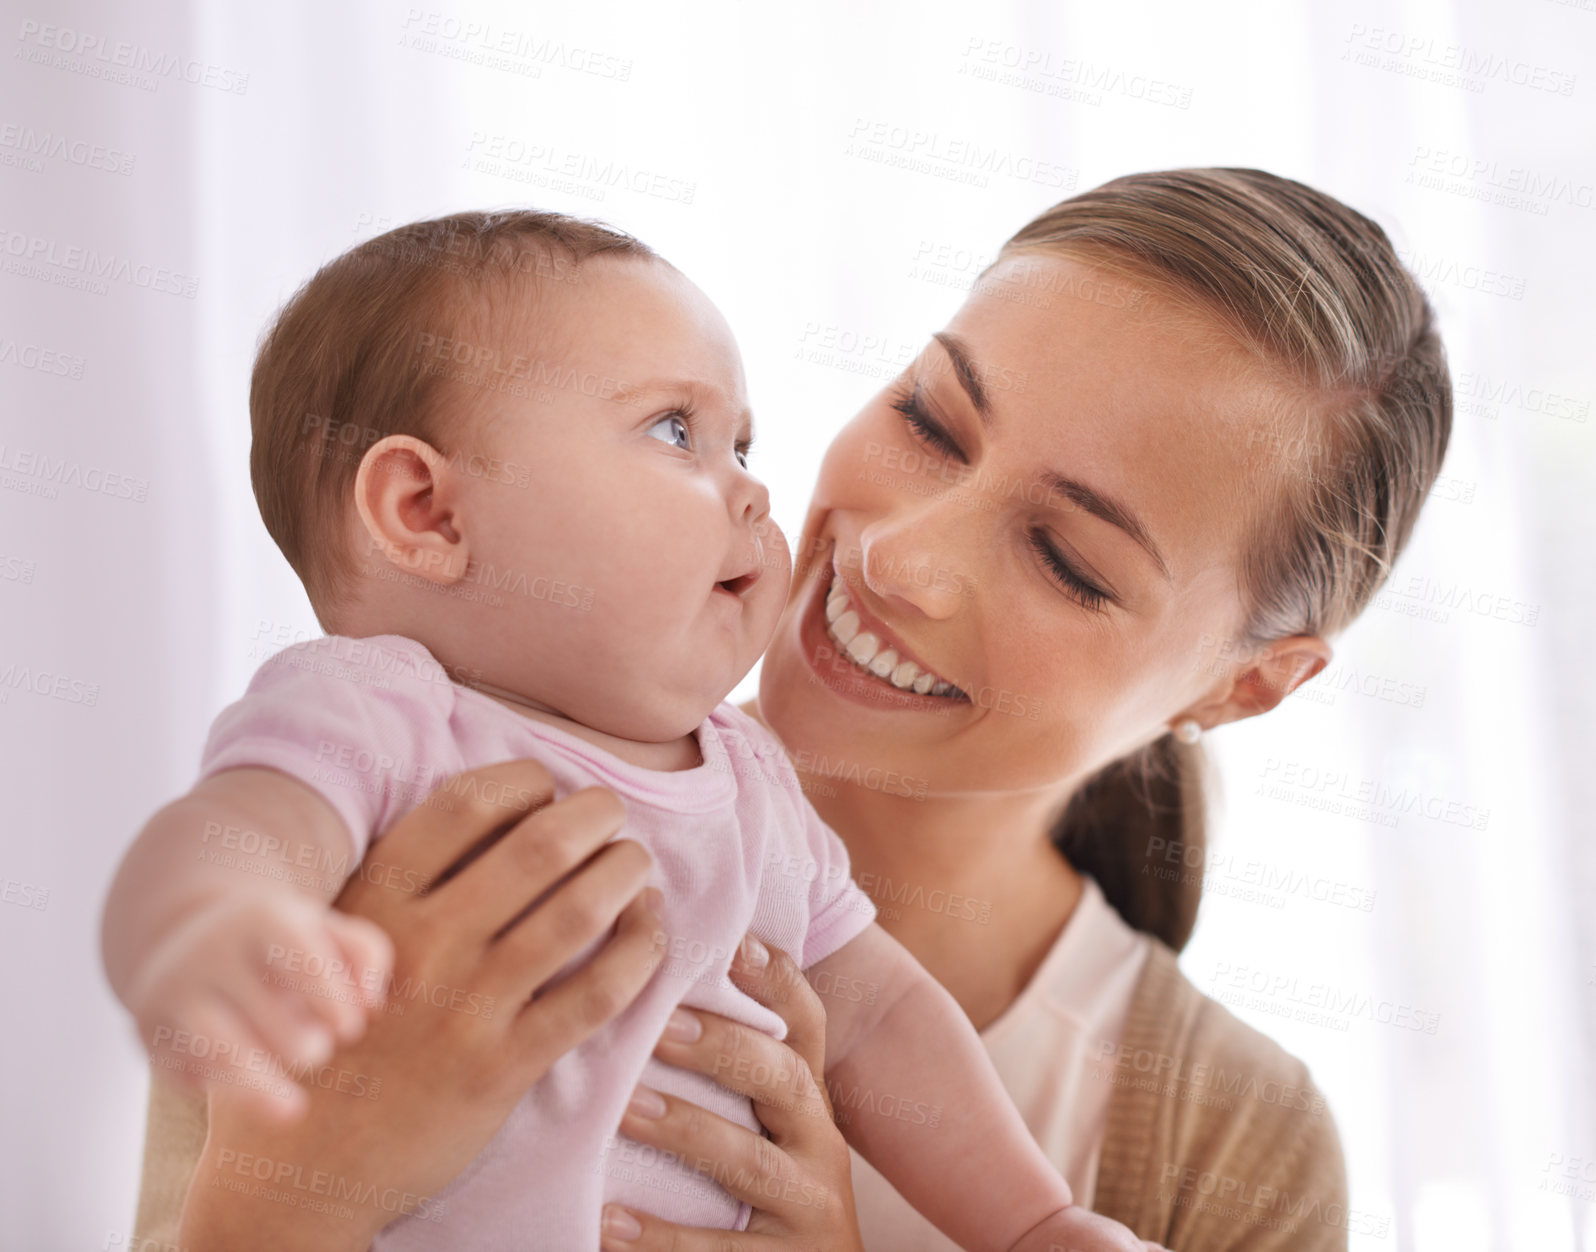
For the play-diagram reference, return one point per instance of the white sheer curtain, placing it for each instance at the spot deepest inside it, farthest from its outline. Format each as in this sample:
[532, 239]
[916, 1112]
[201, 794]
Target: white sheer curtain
[1402, 882]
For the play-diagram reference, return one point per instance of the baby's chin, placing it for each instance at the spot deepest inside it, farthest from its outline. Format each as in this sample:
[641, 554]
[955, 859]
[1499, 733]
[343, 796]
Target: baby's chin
[661, 718]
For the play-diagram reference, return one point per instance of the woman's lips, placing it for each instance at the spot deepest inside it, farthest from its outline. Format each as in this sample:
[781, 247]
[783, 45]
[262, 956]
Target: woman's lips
[839, 675]
[872, 645]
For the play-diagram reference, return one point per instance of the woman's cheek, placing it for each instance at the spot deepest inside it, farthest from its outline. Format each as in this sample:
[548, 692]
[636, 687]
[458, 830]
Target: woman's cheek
[846, 470]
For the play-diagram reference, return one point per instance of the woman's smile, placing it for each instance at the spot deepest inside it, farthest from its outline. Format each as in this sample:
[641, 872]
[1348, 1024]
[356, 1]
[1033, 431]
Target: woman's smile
[871, 646]
[836, 670]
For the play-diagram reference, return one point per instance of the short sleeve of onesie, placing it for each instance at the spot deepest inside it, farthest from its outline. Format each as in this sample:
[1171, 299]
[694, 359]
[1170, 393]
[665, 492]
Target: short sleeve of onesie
[363, 722]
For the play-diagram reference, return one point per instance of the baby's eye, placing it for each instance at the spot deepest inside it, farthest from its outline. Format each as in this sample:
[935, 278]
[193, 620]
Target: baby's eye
[742, 457]
[675, 429]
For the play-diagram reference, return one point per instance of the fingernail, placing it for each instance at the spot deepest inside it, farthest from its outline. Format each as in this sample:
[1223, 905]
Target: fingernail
[316, 1045]
[646, 1102]
[619, 1224]
[683, 1027]
[755, 954]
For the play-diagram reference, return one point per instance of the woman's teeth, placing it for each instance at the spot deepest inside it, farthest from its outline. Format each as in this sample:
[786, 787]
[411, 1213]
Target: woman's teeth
[864, 649]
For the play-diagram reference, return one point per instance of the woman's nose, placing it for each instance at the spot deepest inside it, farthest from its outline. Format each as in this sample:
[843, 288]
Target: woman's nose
[915, 558]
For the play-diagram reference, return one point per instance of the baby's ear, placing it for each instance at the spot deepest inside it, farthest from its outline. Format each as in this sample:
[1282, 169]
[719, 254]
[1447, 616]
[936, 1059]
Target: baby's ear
[404, 494]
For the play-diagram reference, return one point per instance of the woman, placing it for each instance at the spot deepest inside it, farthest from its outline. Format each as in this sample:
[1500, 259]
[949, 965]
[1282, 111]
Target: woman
[1172, 443]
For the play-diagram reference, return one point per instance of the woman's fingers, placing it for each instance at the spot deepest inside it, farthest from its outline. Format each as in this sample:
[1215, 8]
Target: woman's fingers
[798, 1180]
[537, 852]
[567, 921]
[787, 1098]
[446, 831]
[773, 978]
[790, 1097]
[628, 1230]
[488, 890]
[479, 852]
[574, 1008]
[748, 1166]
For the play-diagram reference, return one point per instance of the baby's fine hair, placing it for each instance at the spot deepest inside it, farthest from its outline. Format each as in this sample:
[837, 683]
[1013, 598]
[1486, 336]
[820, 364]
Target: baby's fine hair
[371, 346]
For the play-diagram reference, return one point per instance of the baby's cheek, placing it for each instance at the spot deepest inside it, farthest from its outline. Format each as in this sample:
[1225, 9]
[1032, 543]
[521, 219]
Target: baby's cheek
[776, 555]
[779, 556]
[770, 597]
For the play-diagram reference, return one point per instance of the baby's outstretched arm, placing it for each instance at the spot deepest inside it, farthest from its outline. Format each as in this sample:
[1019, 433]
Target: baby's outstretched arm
[218, 938]
[914, 1092]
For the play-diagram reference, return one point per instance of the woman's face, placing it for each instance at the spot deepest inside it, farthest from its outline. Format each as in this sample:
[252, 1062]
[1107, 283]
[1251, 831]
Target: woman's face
[1046, 510]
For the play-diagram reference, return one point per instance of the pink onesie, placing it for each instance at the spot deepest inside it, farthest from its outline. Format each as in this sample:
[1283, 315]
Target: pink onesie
[375, 724]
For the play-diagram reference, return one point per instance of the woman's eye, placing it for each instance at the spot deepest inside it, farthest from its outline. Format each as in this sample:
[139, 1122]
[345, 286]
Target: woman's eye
[1063, 573]
[674, 430]
[907, 402]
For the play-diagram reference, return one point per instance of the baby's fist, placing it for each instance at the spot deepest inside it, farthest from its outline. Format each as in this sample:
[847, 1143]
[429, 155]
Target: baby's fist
[251, 991]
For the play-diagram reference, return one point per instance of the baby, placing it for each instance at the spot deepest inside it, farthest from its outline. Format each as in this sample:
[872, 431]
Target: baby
[507, 456]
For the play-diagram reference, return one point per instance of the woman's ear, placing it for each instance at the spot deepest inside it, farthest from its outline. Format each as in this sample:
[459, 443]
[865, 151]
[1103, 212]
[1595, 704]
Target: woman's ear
[1265, 678]
[406, 502]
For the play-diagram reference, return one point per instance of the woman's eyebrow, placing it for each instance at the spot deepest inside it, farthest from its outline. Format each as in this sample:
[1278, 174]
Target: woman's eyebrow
[1072, 489]
[964, 369]
[1110, 510]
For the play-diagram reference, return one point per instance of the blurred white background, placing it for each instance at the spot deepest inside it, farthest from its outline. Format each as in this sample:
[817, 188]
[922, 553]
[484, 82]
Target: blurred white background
[1429, 951]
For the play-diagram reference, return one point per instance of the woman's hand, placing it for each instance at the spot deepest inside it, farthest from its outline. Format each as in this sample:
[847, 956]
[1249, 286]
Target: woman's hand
[395, 1116]
[799, 1181]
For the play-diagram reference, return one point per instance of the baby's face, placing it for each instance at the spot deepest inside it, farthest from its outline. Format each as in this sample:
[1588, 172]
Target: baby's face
[640, 572]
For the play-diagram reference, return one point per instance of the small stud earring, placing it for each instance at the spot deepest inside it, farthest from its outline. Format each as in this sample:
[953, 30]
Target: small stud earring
[1188, 730]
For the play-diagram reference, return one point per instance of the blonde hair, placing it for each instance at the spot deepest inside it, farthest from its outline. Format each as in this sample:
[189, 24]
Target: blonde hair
[1316, 290]
[343, 365]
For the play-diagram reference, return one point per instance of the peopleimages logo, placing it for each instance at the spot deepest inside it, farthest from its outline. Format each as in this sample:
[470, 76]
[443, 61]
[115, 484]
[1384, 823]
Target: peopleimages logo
[34, 147]
[951, 157]
[1423, 56]
[119, 60]
[1370, 799]
[1491, 182]
[30, 356]
[34, 256]
[1254, 1204]
[1175, 1074]
[1284, 994]
[519, 51]
[1065, 78]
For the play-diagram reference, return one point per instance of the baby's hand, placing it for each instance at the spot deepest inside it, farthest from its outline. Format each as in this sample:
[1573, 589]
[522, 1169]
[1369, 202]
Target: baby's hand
[249, 992]
[1076, 1229]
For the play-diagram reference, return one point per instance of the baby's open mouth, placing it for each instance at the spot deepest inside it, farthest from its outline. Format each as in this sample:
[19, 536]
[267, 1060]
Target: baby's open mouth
[868, 652]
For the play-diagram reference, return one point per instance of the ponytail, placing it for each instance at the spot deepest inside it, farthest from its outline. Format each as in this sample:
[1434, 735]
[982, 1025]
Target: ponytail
[1139, 827]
